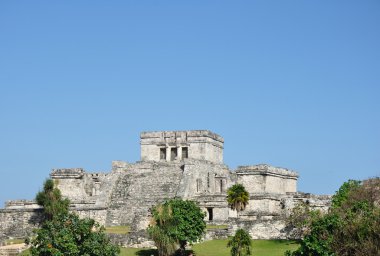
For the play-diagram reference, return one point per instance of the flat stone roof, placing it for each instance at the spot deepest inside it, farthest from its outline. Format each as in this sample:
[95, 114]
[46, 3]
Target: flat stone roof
[266, 169]
[189, 133]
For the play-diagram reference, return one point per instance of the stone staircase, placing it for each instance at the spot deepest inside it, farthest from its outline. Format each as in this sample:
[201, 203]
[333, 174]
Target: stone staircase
[12, 250]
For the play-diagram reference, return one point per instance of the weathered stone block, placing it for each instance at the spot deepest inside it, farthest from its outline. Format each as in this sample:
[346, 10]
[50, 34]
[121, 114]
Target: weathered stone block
[174, 164]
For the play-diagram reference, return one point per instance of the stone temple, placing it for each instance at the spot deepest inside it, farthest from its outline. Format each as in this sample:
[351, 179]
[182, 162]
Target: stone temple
[183, 164]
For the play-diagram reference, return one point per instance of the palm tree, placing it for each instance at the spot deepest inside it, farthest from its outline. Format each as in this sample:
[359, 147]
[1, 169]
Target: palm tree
[240, 243]
[162, 225]
[237, 197]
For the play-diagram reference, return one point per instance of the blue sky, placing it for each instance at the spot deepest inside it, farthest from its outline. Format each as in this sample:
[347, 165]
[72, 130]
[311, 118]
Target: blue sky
[289, 83]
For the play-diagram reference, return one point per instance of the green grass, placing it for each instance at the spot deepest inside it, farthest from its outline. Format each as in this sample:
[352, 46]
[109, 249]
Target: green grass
[14, 241]
[217, 226]
[117, 230]
[25, 253]
[219, 248]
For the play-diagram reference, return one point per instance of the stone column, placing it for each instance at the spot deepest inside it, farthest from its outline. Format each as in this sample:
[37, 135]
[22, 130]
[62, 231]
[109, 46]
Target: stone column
[168, 153]
[179, 153]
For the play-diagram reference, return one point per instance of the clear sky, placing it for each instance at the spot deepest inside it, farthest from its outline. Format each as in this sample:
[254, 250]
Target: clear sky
[294, 84]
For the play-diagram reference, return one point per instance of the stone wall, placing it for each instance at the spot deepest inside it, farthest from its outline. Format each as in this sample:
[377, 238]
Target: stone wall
[263, 227]
[72, 182]
[316, 202]
[19, 218]
[99, 214]
[139, 187]
[267, 179]
[81, 187]
[264, 202]
[201, 145]
[137, 239]
[125, 195]
[203, 178]
[140, 238]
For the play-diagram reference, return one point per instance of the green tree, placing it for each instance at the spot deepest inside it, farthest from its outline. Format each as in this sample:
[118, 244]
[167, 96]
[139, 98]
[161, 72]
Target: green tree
[342, 195]
[359, 226]
[240, 243]
[351, 227]
[301, 218]
[318, 241]
[189, 219]
[163, 226]
[51, 200]
[176, 222]
[237, 197]
[64, 233]
[67, 234]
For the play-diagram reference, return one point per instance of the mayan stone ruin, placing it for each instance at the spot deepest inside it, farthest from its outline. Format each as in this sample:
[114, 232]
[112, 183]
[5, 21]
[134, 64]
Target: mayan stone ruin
[184, 164]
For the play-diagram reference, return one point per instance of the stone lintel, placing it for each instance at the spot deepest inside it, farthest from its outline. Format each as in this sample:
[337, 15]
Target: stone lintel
[21, 204]
[67, 173]
[212, 198]
[13, 210]
[89, 208]
[301, 195]
[264, 169]
[191, 133]
[263, 196]
[119, 164]
[175, 138]
[259, 213]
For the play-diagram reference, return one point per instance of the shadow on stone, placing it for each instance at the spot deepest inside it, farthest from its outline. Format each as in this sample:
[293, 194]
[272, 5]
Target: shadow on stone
[153, 252]
[147, 252]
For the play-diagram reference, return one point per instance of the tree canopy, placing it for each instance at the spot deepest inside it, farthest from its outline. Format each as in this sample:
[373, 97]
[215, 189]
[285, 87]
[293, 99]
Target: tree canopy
[67, 234]
[237, 197]
[51, 200]
[240, 243]
[352, 225]
[176, 222]
[64, 233]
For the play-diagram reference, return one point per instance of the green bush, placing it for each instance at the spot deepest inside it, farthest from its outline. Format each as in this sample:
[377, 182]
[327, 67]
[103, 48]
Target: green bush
[240, 243]
[351, 227]
[63, 233]
[176, 221]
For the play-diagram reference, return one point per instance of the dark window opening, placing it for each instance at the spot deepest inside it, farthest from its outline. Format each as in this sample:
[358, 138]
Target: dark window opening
[173, 154]
[162, 153]
[221, 186]
[185, 153]
[210, 214]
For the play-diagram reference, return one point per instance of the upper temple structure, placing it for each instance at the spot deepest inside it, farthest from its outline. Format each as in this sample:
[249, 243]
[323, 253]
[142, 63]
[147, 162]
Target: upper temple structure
[174, 164]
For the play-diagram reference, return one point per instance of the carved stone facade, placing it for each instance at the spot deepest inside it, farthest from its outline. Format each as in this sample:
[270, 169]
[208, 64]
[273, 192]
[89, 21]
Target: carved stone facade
[184, 164]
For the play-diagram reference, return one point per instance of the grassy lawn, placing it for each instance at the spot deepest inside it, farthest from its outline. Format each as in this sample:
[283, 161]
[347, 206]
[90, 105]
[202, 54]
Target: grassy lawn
[25, 253]
[217, 226]
[14, 241]
[219, 248]
[117, 230]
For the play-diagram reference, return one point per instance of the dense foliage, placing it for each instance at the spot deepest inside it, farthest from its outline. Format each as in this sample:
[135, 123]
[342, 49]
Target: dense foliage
[237, 197]
[343, 194]
[176, 222]
[164, 225]
[301, 218]
[51, 199]
[67, 234]
[63, 233]
[240, 243]
[351, 227]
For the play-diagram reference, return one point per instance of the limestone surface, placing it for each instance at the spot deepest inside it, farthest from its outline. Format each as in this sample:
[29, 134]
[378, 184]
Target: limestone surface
[182, 164]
